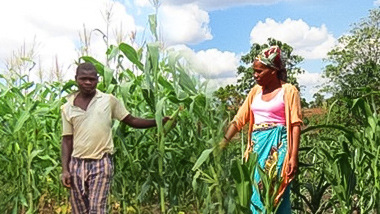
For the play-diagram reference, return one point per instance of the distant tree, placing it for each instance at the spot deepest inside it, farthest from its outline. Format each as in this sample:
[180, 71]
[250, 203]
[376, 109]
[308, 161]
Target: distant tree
[354, 67]
[318, 100]
[230, 96]
[235, 94]
[304, 103]
[246, 82]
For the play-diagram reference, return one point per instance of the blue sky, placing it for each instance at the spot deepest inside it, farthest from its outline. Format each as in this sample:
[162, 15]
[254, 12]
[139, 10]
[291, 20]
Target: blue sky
[213, 34]
[235, 24]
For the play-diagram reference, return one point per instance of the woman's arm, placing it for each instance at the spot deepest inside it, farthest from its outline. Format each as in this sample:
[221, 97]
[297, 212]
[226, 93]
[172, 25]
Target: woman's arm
[296, 132]
[241, 118]
[293, 162]
[294, 101]
[230, 133]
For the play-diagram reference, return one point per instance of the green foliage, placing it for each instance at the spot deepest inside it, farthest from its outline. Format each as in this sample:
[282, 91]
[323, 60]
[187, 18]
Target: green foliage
[242, 174]
[346, 171]
[230, 96]
[30, 149]
[354, 62]
[318, 100]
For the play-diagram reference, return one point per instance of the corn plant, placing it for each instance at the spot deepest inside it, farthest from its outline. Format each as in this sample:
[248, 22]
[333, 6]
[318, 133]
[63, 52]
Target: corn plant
[163, 86]
[209, 170]
[366, 154]
[30, 147]
[310, 186]
[350, 165]
[177, 169]
[243, 175]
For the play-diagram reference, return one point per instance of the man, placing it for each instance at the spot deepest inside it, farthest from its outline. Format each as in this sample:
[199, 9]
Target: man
[87, 145]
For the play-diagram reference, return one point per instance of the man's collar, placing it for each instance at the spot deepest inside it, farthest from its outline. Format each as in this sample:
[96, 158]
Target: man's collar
[71, 97]
[98, 94]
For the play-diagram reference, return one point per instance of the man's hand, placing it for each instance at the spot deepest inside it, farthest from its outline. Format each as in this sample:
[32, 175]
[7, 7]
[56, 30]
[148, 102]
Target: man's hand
[165, 119]
[66, 179]
[292, 167]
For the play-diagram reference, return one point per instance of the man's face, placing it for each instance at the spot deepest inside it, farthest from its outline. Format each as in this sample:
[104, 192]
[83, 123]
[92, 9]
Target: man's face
[87, 81]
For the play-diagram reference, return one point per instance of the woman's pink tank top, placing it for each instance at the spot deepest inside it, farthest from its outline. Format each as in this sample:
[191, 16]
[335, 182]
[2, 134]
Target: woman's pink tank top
[272, 111]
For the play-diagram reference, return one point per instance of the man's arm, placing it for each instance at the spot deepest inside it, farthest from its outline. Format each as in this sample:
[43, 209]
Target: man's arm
[67, 150]
[141, 123]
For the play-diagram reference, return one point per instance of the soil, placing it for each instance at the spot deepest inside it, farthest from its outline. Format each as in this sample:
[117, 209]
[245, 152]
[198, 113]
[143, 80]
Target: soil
[313, 111]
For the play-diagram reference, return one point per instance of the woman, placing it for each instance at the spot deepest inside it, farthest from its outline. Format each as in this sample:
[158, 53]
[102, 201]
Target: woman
[273, 111]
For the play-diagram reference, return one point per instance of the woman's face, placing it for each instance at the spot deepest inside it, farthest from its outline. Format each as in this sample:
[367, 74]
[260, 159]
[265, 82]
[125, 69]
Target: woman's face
[263, 74]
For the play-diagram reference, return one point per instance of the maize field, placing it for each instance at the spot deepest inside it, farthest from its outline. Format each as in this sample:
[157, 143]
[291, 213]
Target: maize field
[177, 168]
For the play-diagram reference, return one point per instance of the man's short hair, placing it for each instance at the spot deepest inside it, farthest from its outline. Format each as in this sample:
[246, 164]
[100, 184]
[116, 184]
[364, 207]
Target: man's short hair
[86, 66]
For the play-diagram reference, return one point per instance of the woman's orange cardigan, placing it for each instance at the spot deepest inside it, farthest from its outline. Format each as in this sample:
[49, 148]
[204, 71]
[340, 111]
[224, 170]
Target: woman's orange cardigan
[293, 116]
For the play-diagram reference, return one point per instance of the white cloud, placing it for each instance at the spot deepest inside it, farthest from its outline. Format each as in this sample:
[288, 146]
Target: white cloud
[220, 4]
[185, 24]
[216, 67]
[309, 83]
[55, 26]
[215, 84]
[309, 42]
[217, 63]
[142, 3]
[211, 63]
[212, 67]
[376, 3]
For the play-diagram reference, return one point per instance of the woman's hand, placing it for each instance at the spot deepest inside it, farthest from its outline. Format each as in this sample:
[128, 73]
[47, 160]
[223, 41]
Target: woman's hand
[223, 144]
[292, 167]
[231, 131]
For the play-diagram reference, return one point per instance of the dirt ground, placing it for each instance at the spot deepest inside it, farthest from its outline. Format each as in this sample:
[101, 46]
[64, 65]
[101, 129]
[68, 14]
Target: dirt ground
[313, 111]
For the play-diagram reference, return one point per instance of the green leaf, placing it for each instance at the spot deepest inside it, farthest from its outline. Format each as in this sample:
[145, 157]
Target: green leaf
[108, 76]
[372, 122]
[243, 183]
[34, 154]
[166, 84]
[202, 158]
[159, 114]
[23, 200]
[131, 54]
[153, 57]
[112, 52]
[110, 88]
[68, 85]
[194, 182]
[186, 82]
[21, 120]
[149, 98]
[153, 25]
[99, 66]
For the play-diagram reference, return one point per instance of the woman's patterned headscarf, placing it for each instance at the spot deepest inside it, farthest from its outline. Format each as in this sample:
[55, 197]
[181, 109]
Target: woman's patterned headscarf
[273, 58]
